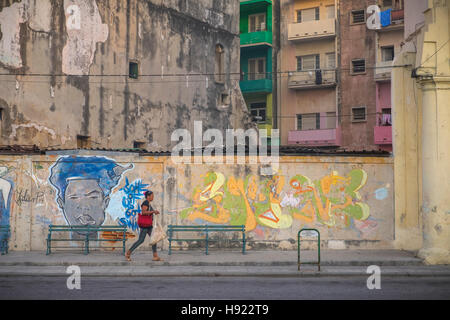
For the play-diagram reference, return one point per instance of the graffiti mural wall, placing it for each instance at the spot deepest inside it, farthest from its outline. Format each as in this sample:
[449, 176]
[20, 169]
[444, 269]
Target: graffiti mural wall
[343, 201]
[82, 190]
[347, 199]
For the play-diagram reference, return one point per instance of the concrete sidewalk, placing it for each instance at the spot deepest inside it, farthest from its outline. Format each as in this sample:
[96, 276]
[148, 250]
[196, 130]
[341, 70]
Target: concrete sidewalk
[218, 263]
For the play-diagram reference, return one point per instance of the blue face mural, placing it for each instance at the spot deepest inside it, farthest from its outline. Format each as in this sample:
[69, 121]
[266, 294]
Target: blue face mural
[6, 187]
[84, 185]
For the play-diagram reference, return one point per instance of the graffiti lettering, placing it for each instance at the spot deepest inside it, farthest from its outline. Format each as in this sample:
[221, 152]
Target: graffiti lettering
[25, 196]
[133, 192]
[332, 201]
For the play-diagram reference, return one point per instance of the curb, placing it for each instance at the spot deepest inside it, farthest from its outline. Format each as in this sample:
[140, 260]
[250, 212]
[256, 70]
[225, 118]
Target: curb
[158, 271]
[211, 264]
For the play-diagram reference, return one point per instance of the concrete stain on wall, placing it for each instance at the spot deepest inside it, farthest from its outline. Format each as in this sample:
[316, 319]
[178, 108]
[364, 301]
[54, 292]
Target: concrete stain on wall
[38, 18]
[84, 29]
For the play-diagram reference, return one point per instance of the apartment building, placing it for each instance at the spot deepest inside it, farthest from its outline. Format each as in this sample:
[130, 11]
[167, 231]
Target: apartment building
[388, 39]
[334, 88]
[308, 82]
[256, 59]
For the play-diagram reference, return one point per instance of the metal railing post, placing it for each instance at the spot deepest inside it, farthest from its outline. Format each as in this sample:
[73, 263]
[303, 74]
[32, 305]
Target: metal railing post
[318, 247]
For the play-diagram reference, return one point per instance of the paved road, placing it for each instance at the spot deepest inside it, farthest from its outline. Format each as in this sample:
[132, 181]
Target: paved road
[246, 288]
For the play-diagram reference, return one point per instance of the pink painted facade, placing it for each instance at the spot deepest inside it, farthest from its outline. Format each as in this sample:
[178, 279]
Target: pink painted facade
[319, 138]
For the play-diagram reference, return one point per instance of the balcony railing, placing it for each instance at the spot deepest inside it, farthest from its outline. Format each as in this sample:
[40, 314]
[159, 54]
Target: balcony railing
[308, 79]
[383, 129]
[256, 38]
[318, 138]
[311, 30]
[256, 82]
[397, 16]
[383, 134]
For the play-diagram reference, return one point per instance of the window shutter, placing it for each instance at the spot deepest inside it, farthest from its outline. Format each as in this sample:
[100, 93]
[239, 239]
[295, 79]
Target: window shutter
[317, 13]
[330, 12]
[299, 63]
[251, 69]
[299, 16]
[331, 60]
[299, 122]
[252, 24]
[309, 15]
[317, 61]
[261, 68]
[317, 120]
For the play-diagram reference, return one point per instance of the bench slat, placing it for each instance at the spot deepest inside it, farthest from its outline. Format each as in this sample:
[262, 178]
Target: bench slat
[205, 229]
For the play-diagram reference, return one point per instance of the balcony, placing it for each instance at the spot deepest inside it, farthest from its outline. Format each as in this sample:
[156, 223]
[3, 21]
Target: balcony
[383, 70]
[312, 79]
[383, 129]
[397, 21]
[256, 38]
[316, 138]
[383, 134]
[312, 30]
[259, 82]
[397, 16]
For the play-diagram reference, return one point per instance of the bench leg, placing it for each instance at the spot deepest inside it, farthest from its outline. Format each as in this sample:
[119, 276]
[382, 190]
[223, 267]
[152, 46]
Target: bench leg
[48, 247]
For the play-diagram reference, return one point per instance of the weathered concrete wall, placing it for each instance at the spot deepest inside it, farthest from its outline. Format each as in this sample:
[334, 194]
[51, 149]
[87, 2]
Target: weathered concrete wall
[350, 200]
[79, 52]
[357, 90]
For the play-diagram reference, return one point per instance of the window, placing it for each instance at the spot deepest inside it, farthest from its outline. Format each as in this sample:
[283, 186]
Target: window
[224, 99]
[358, 16]
[331, 60]
[387, 3]
[138, 145]
[256, 69]
[133, 71]
[83, 142]
[308, 121]
[257, 22]
[386, 119]
[305, 15]
[311, 62]
[358, 66]
[330, 12]
[219, 66]
[387, 53]
[359, 114]
[331, 120]
[258, 111]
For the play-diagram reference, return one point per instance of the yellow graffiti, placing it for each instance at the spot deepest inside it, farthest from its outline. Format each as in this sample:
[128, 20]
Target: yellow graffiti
[206, 210]
[333, 200]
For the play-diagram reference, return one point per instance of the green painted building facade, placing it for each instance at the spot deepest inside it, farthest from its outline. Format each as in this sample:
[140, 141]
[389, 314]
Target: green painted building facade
[256, 59]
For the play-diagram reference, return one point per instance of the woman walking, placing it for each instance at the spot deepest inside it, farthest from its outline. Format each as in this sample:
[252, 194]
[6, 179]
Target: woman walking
[146, 226]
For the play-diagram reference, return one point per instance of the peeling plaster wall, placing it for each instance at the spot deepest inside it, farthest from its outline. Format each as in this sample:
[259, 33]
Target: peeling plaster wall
[81, 50]
[355, 208]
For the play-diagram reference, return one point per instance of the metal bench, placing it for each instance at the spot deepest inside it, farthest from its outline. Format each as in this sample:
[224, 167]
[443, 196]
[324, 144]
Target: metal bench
[4, 238]
[171, 229]
[86, 233]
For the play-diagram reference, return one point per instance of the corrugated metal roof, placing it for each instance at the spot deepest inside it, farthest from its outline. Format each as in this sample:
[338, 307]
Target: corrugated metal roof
[282, 151]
